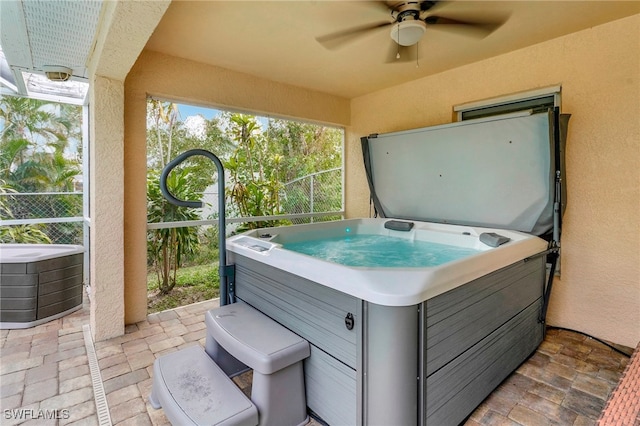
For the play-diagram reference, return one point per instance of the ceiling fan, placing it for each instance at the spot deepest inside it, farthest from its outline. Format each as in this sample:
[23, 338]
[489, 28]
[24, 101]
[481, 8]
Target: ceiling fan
[409, 21]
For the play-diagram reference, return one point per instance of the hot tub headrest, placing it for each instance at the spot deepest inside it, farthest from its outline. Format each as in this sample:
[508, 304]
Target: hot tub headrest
[397, 225]
[492, 239]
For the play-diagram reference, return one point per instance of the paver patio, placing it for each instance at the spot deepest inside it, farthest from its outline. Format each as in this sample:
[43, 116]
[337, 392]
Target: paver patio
[44, 372]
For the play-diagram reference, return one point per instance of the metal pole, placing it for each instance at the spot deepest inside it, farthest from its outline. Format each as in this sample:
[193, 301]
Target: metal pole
[311, 181]
[222, 248]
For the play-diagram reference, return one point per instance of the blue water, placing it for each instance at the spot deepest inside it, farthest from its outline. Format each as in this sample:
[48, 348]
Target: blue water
[380, 251]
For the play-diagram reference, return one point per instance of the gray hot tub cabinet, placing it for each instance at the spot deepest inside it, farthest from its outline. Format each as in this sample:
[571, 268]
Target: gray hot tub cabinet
[34, 292]
[430, 363]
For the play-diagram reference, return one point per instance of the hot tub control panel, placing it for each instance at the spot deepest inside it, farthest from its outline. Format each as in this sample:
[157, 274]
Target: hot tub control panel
[254, 244]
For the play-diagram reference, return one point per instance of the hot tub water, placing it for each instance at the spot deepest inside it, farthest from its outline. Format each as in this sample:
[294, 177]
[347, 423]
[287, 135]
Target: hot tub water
[380, 251]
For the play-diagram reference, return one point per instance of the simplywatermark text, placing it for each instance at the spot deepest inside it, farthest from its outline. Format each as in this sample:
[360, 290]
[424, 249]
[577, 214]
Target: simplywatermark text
[33, 414]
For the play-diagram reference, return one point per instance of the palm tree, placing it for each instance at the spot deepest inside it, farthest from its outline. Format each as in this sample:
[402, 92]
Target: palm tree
[164, 119]
[34, 137]
[34, 141]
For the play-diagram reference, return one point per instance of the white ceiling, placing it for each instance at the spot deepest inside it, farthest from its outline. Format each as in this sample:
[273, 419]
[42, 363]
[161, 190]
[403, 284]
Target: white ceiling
[276, 40]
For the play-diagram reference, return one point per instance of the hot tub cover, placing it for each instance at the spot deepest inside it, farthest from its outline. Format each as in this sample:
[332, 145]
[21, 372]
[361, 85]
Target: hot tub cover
[24, 253]
[500, 172]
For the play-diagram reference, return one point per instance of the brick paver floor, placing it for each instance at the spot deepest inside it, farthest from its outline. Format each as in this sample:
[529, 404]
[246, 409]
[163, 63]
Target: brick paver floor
[44, 372]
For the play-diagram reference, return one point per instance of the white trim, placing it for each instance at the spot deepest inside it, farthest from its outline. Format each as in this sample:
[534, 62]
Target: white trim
[15, 37]
[506, 99]
[6, 87]
[20, 84]
[185, 223]
[22, 92]
[15, 194]
[40, 220]
[86, 182]
[55, 98]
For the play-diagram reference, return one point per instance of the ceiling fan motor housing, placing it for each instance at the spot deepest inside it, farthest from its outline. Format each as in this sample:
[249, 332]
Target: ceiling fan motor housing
[408, 33]
[409, 28]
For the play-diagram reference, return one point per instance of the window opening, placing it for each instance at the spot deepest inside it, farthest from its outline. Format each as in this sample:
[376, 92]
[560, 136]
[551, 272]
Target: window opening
[278, 172]
[536, 100]
[41, 185]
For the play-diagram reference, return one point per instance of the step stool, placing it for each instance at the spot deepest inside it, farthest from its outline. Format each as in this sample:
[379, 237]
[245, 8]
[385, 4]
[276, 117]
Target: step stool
[193, 390]
[273, 352]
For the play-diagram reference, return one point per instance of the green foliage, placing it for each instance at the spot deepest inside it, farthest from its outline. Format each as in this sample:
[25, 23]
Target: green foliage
[35, 137]
[35, 144]
[259, 158]
[205, 275]
[193, 284]
[168, 136]
[167, 247]
[254, 187]
[5, 210]
[304, 148]
[24, 234]
[207, 252]
[18, 233]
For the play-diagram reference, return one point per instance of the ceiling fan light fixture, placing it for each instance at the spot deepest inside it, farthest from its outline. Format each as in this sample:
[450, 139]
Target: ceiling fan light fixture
[57, 72]
[408, 33]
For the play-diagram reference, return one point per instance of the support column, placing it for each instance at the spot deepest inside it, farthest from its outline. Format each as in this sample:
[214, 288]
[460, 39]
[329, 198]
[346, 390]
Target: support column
[106, 207]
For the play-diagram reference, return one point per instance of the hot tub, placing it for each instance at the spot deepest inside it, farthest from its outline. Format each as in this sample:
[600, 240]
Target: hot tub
[398, 344]
[39, 283]
[421, 343]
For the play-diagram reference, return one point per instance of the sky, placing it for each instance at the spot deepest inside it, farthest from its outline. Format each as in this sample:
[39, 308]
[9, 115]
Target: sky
[189, 110]
[208, 113]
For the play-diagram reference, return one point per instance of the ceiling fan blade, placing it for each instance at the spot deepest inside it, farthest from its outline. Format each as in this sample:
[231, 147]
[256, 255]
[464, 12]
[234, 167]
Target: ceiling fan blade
[478, 29]
[338, 39]
[428, 5]
[382, 5]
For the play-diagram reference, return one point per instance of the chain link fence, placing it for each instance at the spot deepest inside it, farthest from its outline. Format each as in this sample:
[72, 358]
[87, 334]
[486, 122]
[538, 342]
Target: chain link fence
[316, 197]
[58, 215]
[319, 192]
[315, 193]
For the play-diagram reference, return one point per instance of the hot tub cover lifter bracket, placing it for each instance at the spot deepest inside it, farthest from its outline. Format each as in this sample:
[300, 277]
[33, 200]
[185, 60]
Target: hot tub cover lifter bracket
[377, 206]
[560, 123]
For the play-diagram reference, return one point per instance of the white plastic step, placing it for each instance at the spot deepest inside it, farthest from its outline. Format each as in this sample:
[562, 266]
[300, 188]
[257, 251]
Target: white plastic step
[274, 353]
[254, 338]
[193, 390]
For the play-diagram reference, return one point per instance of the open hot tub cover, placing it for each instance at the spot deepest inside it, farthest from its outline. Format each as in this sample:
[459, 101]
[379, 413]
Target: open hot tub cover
[500, 172]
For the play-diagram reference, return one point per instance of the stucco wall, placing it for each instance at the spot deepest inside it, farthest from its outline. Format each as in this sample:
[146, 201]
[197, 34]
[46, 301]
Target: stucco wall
[599, 70]
[123, 30]
[106, 232]
[176, 79]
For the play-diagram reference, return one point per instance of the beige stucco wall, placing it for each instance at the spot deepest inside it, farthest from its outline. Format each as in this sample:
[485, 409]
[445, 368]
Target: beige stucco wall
[123, 30]
[176, 79]
[106, 193]
[599, 70]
